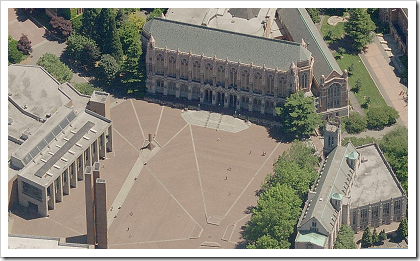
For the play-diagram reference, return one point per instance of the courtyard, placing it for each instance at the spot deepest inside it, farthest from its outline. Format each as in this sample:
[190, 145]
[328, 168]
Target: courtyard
[194, 190]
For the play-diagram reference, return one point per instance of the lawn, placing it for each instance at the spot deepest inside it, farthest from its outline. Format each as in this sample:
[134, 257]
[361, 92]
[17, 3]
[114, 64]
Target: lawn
[337, 30]
[369, 88]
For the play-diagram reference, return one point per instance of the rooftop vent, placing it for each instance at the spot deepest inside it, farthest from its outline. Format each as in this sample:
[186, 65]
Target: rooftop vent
[10, 120]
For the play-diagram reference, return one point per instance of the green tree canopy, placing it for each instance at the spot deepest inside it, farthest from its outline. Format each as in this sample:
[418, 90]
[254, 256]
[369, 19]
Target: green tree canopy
[107, 35]
[375, 236]
[345, 238]
[14, 55]
[89, 22]
[298, 115]
[82, 50]
[358, 28]
[108, 69]
[132, 73]
[314, 14]
[378, 118]
[355, 123]
[60, 71]
[403, 228]
[367, 237]
[129, 35]
[275, 216]
[264, 242]
[382, 236]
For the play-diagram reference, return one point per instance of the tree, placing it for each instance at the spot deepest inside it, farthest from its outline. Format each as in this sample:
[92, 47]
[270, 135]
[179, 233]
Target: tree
[359, 27]
[129, 35]
[137, 21]
[157, 12]
[61, 27]
[351, 69]
[88, 22]
[55, 67]
[367, 238]
[85, 88]
[107, 35]
[382, 236]
[394, 145]
[355, 123]
[108, 69]
[392, 115]
[24, 45]
[296, 167]
[14, 55]
[264, 242]
[314, 14]
[120, 17]
[298, 115]
[375, 236]
[402, 230]
[82, 50]
[132, 75]
[276, 215]
[345, 238]
[357, 86]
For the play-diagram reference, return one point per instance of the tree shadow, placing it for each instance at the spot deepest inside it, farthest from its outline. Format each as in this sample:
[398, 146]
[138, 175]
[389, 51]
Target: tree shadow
[241, 245]
[24, 212]
[80, 239]
[52, 38]
[249, 209]
[345, 43]
[21, 15]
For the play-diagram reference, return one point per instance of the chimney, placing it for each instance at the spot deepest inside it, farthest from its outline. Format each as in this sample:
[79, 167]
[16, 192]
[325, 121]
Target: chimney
[90, 212]
[101, 214]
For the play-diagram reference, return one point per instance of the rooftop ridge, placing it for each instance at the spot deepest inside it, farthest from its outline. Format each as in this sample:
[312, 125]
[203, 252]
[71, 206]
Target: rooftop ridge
[225, 31]
[313, 38]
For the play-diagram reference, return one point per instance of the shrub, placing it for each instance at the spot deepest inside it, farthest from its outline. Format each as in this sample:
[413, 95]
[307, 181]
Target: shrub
[355, 123]
[367, 238]
[378, 118]
[357, 86]
[382, 236]
[24, 45]
[61, 27]
[55, 67]
[403, 228]
[85, 88]
[14, 55]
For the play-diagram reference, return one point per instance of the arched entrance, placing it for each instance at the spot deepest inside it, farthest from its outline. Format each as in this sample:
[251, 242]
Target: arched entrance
[208, 96]
[232, 101]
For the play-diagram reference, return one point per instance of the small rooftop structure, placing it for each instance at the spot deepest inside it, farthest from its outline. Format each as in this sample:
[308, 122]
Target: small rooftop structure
[42, 242]
[245, 13]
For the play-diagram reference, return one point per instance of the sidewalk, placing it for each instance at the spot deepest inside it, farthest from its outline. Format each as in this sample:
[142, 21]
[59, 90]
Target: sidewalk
[385, 79]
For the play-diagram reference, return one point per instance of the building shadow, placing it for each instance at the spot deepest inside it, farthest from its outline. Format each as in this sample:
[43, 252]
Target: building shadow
[80, 239]
[24, 212]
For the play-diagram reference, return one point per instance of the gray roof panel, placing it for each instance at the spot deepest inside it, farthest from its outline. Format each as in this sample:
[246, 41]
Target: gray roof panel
[300, 26]
[226, 44]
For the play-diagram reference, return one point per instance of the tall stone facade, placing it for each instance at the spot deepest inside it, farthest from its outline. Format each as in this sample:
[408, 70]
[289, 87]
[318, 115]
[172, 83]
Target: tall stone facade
[230, 83]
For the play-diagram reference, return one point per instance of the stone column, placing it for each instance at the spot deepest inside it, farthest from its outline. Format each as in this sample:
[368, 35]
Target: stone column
[391, 210]
[51, 201]
[251, 102]
[109, 144]
[72, 174]
[59, 189]
[380, 212]
[189, 92]
[369, 215]
[43, 207]
[66, 182]
[95, 146]
[177, 90]
[238, 103]
[153, 87]
[262, 107]
[274, 108]
[80, 175]
[90, 211]
[358, 220]
[101, 141]
[201, 94]
[165, 87]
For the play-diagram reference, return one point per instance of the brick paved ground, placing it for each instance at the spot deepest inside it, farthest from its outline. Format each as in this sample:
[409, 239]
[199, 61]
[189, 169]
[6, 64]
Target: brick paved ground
[179, 192]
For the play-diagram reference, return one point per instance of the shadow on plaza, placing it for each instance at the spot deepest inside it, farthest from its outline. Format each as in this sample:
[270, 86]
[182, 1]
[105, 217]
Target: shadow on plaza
[80, 239]
[24, 212]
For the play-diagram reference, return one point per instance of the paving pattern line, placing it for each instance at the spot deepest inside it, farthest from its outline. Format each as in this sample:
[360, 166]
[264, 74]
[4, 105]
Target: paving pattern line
[124, 191]
[117, 102]
[125, 139]
[167, 190]
[249, 183]
[64, 225]
[137, 117]
[175, 135]
[148, 242]
[160, 117]
[198, 171]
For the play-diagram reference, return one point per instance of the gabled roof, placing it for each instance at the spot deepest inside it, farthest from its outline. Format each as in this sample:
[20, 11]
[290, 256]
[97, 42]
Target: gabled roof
[300, 26]
[333, 181]
[225, 44]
